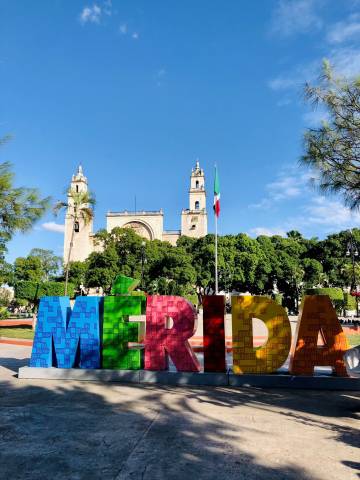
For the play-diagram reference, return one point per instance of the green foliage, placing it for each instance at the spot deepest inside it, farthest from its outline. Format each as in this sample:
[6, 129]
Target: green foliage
[265, 265]
[5, 297]
[278, 297]
[193, 299]
[20, 207]
[33, 291]
[333, 149]
[38, 266]
[20, 302]
[294, 263]
[6, 272]
[333, 293]
[28, 269]
[313, 271]
[50, 262]
[349, 302]
[77, 273]
[102, 269]
[336, 296]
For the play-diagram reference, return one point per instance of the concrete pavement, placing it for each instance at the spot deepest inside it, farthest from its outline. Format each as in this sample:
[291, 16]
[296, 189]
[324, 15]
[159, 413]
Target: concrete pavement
[83, 430]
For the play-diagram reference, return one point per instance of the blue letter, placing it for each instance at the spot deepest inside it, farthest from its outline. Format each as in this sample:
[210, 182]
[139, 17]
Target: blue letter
[60, 333]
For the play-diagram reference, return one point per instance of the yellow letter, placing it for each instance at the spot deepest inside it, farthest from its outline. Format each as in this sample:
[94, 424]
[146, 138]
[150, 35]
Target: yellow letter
[272, 355]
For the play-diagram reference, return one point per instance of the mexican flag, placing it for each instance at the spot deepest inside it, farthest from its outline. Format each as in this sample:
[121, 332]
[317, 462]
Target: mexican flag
[216, 194]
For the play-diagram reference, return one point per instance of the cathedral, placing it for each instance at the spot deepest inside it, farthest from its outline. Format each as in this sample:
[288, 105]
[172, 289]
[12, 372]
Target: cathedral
[148, 224]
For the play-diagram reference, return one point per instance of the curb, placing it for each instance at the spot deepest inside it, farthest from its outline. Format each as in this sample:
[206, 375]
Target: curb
[16, 341]
[143, 377]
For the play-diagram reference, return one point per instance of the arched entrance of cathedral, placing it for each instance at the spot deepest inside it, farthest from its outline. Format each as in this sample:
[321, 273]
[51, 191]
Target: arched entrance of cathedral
[141, 228]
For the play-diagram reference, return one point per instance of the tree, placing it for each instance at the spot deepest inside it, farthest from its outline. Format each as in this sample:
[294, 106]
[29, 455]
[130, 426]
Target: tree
[102, 269]
[50, 262]
[80, 208]
[313, 272]
[20, 207]
[333, 150]
[77, 273]
[28, 268]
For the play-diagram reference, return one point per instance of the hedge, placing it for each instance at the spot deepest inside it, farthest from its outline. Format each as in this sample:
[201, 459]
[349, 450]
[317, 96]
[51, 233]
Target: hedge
[349, 302]
[278, 297]
[33, 290]
[336, 295]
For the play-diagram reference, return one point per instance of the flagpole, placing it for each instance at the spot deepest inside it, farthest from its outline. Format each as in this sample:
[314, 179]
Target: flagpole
[216, 257]
[216, 213]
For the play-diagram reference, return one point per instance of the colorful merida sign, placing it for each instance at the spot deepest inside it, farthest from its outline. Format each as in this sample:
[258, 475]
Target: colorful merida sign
[96, 333]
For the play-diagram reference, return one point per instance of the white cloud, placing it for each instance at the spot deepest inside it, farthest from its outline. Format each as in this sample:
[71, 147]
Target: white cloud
[123, 29]
[324, 214]
[314, 118]
[91, 14]
[268, 232]
[160, 76]
[108, 7]
[283, 82]
[53, 227]
[296, 77]
[284, 102]
[346, 30]
[290, 183]
[346, 61]
[325, 211]
[285, 187]
[291, 17]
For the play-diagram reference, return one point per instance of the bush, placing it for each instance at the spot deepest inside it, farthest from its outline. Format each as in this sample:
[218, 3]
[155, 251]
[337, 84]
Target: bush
[349, 302]
[20, 302]
[336, 296]
[5, 297]
[33, 291]
[192, 298]
[278, 297]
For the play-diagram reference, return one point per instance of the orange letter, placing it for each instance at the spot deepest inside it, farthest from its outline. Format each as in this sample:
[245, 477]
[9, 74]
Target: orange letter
[272, 355]
[318, 316]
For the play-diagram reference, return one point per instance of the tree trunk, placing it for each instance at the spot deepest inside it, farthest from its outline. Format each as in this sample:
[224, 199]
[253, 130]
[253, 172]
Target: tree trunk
[68, 259]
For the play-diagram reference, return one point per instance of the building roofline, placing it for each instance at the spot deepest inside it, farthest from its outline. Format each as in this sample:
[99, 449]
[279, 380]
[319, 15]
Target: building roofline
[138, 213]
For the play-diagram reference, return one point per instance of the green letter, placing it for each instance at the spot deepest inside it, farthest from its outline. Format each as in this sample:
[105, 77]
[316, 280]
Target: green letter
[117, 330]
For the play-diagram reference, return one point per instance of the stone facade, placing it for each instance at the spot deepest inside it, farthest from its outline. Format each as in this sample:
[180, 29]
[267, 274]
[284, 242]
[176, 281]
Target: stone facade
[194, 219]
[148, 224]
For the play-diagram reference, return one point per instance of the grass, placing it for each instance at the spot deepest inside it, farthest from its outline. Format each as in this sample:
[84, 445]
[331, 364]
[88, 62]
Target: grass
[354, 340]
[17, 332]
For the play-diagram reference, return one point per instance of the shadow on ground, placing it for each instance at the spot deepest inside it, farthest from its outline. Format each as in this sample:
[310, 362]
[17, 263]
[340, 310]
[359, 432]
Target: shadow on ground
[76, 430]
[14, 364]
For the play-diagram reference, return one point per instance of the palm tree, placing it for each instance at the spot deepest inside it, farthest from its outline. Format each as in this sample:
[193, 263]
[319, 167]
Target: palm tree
[80, 208]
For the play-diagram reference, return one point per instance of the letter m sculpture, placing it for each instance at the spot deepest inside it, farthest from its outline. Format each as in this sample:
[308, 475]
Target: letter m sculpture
[65, 338]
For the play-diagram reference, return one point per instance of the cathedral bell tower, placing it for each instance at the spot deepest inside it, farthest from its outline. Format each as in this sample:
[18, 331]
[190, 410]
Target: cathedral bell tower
[77, 232]
[194, 219]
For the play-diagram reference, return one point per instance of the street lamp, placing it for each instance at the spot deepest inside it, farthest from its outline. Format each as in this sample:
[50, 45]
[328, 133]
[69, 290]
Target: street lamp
[225, 276]
[353, 252]
[143, 260]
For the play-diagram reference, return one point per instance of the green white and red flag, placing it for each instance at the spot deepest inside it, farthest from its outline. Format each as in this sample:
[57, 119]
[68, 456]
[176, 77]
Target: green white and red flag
[216, 194]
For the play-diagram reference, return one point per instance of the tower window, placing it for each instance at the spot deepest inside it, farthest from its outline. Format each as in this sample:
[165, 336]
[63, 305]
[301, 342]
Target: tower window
[193, 227]
[197, 184]
[76, 227]
[197, 205]
[77, 188]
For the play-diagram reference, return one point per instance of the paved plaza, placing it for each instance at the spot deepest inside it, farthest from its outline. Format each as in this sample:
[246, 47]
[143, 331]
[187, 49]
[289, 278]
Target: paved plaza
[83, 430]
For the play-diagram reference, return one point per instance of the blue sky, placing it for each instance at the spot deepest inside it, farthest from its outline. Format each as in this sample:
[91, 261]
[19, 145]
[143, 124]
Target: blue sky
[137, 90]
